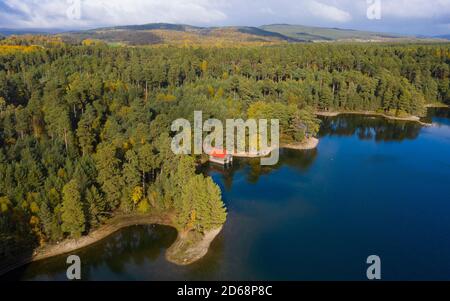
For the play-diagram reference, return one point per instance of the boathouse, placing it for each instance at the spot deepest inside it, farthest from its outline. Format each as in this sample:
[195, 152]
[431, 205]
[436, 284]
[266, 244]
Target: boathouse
[220, 157]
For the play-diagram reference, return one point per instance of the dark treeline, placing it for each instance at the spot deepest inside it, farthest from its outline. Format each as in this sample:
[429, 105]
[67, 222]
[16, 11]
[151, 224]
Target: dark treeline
[85, 131]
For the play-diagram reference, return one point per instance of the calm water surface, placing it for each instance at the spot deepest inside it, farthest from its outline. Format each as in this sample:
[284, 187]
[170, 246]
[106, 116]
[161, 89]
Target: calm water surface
[373, 186]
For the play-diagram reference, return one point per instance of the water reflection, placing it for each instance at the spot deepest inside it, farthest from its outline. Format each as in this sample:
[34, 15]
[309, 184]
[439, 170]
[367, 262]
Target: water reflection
[298, 160]
[369, 128]
[131, 246]
[439, 116]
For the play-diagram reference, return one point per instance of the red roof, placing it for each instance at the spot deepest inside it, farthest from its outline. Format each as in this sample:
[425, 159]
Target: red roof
[217, 153]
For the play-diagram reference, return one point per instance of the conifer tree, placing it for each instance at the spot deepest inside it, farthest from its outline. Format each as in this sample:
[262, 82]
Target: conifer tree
[73, 219]
[85, 131]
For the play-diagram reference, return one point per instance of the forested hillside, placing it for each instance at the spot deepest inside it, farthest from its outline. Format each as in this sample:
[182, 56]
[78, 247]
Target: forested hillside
[179, 34]
[309, 33]
[85, 130]
[183, 35]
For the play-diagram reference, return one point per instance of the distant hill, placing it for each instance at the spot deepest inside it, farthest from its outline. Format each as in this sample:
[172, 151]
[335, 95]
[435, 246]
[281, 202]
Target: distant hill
[309, 33]
[36, 31]
[181, 34]
[445, 37]
[267, 33]
[155, 26]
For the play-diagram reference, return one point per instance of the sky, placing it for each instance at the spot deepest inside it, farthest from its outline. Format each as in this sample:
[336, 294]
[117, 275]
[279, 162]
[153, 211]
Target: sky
[423, 17]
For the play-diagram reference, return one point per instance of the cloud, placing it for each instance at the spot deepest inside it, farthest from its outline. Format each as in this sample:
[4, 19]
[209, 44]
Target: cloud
[408, 16]
[328, 12]
[266, 11]
[63, 13]
[418, 9]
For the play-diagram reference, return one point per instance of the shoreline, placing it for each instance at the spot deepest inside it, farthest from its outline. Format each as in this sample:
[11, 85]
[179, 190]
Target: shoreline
[308, 144]
[198, 246]
[375, 114]
[312, 143]
[437, 105]
[189, 249]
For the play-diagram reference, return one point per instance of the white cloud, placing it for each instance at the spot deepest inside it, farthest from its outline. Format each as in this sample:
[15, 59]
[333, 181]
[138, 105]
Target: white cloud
[53, 13]
[409, 16]
[266, 11]
[425, 9]
[328, 12]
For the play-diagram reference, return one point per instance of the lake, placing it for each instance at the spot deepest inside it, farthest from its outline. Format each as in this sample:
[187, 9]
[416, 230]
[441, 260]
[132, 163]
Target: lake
[372, 187]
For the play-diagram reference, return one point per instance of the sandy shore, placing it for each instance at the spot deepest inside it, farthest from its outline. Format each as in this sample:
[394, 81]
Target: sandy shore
[254, 155]
[198, 248]
[370, 113]
[184, 252]
[437, 105]
[310, 143]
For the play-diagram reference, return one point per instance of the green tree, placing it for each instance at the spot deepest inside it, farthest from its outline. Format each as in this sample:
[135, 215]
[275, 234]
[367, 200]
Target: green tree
[85, 131]
[109, 174]
[57, 120]
[96, 206]
[73, 219]
[201, 207]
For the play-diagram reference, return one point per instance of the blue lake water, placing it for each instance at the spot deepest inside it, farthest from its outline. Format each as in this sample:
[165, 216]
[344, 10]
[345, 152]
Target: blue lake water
[373, 187]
